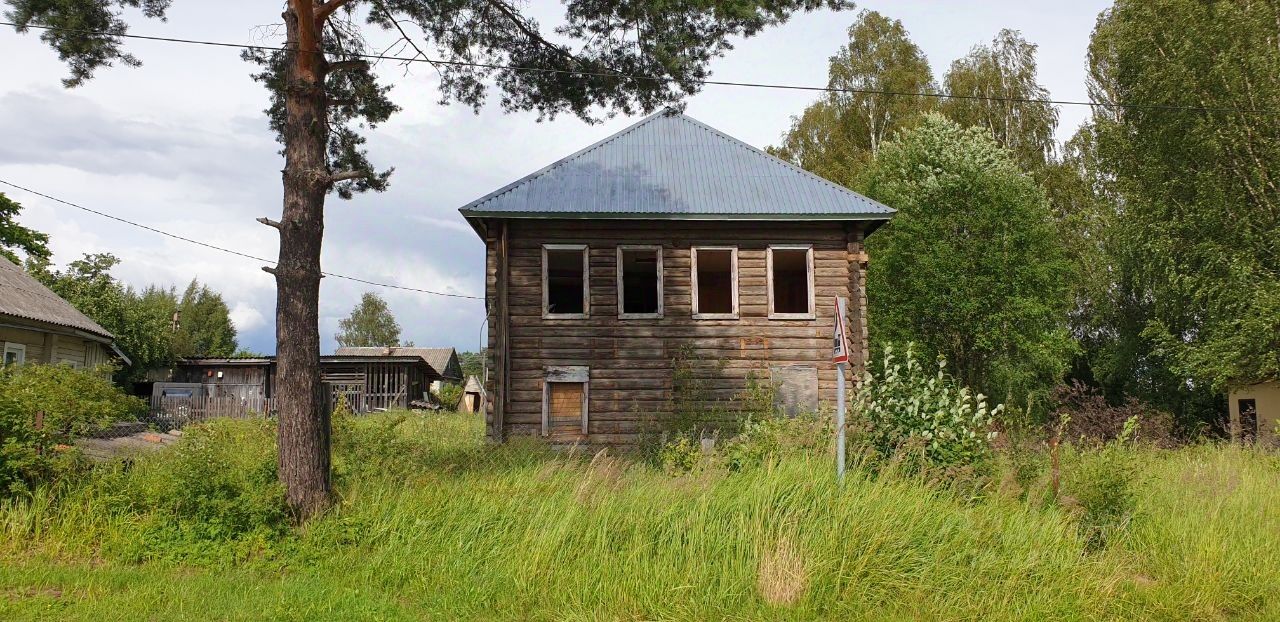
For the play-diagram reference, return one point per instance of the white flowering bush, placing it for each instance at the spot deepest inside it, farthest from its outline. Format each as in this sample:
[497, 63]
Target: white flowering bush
[907, 409]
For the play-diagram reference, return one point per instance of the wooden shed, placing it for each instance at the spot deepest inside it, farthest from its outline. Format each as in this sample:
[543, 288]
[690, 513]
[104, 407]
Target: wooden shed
[668, 240]
[368, 383]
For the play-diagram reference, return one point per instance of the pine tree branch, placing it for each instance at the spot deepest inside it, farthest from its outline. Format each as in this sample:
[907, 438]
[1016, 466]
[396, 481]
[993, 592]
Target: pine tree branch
[323, 11]
[347, 176]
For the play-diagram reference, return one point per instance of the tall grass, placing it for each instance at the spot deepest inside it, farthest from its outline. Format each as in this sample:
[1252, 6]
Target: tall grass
[433, 524]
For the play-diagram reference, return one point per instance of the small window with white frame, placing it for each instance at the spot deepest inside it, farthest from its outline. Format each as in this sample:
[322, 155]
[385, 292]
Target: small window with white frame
[639, 282]
[714, 275]
[565, 281]
[790, 270]
[15, 354]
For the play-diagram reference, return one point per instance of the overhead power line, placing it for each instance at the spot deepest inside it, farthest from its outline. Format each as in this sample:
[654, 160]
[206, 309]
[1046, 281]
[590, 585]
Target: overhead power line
[604, 74]
[224, 249]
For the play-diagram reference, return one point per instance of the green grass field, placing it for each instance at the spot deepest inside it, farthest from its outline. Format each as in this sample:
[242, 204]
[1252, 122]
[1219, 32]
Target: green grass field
[432, 524]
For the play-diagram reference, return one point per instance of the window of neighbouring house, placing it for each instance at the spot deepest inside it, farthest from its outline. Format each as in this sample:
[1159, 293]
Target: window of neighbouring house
[639, 281]
[790, 282]
[715, 282]
[564, 280]
[15, 354]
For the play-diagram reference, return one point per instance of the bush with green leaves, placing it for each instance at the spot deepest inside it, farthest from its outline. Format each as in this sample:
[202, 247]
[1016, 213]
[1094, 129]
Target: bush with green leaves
[922, 417]
[767, 440]
[214, 496]
[1099, 487]
[450, 395]
[69, 402]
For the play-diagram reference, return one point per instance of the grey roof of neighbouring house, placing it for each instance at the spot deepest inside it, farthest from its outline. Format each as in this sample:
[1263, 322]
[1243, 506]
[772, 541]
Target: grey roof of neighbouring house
[24, 297]
[437, 358]
[671, 166]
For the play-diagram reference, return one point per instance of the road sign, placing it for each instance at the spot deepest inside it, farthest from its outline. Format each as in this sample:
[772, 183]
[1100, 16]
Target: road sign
[840, 342]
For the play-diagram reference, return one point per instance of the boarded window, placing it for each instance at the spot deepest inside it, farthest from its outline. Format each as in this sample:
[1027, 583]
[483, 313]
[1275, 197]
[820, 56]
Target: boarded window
[565, 280]
[640, 281]
[795, 389]
[790, 281]
[715, 282]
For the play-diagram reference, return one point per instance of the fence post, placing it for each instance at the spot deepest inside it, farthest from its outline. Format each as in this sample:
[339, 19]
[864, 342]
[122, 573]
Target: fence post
[39, 428]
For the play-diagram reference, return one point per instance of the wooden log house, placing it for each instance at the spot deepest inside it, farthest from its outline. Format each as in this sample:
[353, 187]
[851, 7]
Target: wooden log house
[667, 240]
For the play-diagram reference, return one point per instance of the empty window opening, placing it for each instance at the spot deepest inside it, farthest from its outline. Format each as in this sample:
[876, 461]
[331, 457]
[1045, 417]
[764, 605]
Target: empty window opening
[565, 271]
[640, 281]
[15, 354]
[715, 281]
[791, 287]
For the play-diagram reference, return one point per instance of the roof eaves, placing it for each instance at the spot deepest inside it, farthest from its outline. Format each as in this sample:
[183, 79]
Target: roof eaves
[675, 216]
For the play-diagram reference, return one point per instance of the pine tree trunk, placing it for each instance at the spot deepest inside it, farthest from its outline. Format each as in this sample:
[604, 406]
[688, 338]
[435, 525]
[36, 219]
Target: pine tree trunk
[303, 413]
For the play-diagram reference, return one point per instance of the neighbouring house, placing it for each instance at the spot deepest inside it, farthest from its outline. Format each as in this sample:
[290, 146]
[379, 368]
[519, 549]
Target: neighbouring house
[443, 360]
[472, 396]
[1255, 411]
[206, 387]
[38, 326]
[667, 241]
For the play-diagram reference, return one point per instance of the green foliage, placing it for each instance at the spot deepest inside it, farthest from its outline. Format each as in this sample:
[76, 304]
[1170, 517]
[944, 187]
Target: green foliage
[994, 84]
[15, 236]
[907, 409]
[971, 267]
[679, 454]
[204, 324]
[472, 364]
[450, 395]
[213, 498]
[448, 537]
[73, 401]
[1196, 203]
[837, 136]
[1100, 488]
[765, 441]
[370, 324]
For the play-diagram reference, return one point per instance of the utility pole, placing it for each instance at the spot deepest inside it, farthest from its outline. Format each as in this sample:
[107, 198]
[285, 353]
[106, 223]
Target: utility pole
[840, 355]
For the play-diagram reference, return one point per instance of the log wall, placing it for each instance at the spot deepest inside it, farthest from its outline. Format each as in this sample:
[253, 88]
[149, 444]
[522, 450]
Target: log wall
[630, 360]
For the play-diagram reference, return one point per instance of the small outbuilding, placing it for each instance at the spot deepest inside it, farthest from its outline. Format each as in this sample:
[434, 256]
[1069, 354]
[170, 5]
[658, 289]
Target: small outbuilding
[667, 241]
[1255, 411]
[473, 399]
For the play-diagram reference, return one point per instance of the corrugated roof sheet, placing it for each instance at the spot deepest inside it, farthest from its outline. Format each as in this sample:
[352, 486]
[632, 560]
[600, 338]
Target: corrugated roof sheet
[437, 358]
[24, 297]
[673, 166]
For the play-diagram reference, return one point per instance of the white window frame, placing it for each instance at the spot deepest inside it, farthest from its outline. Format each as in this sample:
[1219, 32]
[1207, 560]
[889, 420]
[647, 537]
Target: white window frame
[733, 282]
[623, 315]
[20, 348]
[808, 248]
[568, 374]
[586, 282]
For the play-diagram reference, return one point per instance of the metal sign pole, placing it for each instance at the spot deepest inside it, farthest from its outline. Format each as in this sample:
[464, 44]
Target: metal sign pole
[840, 355]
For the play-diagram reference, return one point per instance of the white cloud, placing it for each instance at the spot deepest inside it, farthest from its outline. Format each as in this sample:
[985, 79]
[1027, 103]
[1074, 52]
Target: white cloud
[246, 318]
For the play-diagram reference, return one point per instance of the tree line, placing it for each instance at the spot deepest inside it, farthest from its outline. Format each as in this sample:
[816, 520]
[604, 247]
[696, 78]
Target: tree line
[154, 326]
[1138, 258]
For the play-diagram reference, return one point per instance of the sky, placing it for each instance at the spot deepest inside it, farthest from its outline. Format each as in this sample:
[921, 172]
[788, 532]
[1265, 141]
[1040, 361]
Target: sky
[181, 144]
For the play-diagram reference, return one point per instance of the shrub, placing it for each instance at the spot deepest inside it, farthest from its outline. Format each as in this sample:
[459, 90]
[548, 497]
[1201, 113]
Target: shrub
[73, 401]
[766, 440]
[1099, 488]
[680, 453]
[214, 495]
[1093, 421]
[450, 394]
[924, 419]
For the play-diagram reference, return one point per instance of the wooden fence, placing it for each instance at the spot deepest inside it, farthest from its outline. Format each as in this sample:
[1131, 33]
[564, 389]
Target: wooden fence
[176, 412]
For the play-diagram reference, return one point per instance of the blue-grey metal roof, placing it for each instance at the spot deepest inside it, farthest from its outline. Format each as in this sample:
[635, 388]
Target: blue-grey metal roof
[669, 165]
